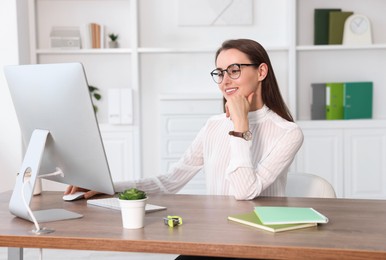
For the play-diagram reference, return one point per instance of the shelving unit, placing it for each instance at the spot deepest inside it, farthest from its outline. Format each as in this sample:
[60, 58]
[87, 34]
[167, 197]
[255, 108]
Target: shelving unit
[335, 63]
[159, 58]
[346, 152]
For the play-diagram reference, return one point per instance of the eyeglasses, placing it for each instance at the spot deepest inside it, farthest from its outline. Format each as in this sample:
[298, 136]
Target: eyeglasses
[233, 70]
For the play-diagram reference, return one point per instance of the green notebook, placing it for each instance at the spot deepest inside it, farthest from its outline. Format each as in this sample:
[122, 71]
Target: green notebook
[251, 219]
[334, 101]
[321, 21]
[358, 100]
[289, 215]
[336, 26]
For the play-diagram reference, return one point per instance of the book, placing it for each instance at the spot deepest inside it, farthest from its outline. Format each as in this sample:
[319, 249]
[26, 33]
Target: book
[95, 30]
[336, 26]
[321, 21]
[289, 215]
[334, 101]
[86, 36]
[318, 105]
[358, 100]
[251, 219]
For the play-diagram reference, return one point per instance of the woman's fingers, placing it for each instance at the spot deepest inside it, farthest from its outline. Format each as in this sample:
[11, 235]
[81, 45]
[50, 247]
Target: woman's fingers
[90, 194]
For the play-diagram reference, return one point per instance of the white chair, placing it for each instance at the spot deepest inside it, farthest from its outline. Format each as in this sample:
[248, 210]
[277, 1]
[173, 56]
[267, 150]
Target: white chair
[308, 185]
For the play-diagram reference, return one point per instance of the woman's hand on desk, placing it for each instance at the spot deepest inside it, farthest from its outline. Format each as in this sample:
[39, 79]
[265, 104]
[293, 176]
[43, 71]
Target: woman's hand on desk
[73, 189]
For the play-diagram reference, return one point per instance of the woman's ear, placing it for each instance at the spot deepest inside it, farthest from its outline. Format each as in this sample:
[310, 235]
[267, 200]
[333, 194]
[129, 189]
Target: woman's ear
[263, 71]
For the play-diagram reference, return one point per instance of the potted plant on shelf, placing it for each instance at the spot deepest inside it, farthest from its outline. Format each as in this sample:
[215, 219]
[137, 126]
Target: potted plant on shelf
[113, 43]
[132, 202]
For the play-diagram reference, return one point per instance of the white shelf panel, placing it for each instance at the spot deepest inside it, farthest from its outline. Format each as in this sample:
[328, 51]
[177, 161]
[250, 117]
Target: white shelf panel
[201, 50]
[340, 47]
[85, 51]
[343, 124]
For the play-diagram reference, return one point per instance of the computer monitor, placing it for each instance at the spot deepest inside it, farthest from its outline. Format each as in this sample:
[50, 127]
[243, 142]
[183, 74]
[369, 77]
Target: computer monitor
[60, 130]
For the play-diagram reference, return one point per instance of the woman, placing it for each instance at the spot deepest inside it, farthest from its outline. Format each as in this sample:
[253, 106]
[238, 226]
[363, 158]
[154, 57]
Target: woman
[245, 152]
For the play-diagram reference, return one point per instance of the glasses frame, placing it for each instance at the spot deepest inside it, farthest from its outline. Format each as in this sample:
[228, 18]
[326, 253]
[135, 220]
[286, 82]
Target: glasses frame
[227, 70]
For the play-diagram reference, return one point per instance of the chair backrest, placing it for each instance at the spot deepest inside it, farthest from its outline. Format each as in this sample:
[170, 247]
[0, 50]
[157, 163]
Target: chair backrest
[308, 185]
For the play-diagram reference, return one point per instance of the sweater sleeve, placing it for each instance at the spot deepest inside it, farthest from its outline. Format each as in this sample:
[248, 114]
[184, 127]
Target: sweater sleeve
[177, 177]
[248, 181]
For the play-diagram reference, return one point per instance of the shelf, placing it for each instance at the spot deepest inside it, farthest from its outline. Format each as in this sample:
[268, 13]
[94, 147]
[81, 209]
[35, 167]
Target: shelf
[139, 50]
[340, 47]
[176, 50]
[85, 51]
[340, 124]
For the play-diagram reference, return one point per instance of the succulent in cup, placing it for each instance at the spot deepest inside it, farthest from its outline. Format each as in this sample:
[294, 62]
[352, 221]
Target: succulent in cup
[132, 194]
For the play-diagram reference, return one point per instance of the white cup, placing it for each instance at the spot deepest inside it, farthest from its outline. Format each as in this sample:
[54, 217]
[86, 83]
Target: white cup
[133, 213]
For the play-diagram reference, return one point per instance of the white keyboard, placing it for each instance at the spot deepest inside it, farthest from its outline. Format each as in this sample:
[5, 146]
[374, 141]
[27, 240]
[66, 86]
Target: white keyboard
[113, 203]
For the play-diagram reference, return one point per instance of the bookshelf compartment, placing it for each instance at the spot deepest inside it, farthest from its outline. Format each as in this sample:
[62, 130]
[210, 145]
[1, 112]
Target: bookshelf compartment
[113, 15]
[371, 8]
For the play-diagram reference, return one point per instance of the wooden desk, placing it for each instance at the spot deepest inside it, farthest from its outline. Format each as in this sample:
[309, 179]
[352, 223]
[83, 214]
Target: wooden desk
[357, 229]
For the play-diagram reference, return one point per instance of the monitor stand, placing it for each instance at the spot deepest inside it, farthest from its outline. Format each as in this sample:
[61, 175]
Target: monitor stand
[31, 164]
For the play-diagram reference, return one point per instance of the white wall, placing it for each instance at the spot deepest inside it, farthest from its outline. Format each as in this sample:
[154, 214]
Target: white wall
[10, 142]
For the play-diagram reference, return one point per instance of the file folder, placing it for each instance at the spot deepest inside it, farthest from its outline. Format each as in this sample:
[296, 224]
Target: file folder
[334, 101]
[318, 106]
[358, 100]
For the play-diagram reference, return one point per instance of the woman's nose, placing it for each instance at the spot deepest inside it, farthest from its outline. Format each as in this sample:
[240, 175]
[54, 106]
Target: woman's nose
[226, 77]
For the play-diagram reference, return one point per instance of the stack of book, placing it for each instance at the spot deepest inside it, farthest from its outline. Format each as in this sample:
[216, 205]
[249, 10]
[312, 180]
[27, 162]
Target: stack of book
[329, 25]
[342, 100]
[278, 219]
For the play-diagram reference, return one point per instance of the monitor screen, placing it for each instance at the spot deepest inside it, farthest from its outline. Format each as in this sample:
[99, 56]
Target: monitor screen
[55, 113]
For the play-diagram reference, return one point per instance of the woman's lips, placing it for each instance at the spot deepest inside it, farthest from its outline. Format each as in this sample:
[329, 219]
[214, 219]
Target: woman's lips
[230, 91]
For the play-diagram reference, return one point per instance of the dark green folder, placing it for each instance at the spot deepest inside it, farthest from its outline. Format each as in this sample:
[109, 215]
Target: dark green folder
[334, 101]
[358, 100]
[321, 20]
[336, 26]
[318, 106]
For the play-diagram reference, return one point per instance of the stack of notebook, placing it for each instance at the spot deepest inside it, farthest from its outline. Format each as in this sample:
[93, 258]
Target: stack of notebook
[278, 219]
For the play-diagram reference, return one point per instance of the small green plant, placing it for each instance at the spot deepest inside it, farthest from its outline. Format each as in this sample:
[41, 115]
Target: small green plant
[94, 91]
[113, 37]
[132, 194]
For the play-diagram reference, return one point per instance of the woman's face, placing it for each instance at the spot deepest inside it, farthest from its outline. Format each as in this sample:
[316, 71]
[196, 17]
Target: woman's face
[248, 81]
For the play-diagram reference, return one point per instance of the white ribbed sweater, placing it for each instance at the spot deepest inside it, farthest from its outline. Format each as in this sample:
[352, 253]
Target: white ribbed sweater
[233, 166]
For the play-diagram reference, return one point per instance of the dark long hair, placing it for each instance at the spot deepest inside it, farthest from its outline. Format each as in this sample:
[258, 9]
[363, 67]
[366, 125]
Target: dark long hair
[270, 89]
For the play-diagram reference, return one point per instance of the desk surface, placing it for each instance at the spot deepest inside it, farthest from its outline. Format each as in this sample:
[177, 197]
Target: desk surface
[357, 228]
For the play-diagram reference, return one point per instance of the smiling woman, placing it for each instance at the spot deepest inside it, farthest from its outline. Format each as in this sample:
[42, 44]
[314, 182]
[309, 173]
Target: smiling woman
[256, 56]
[245, 152]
